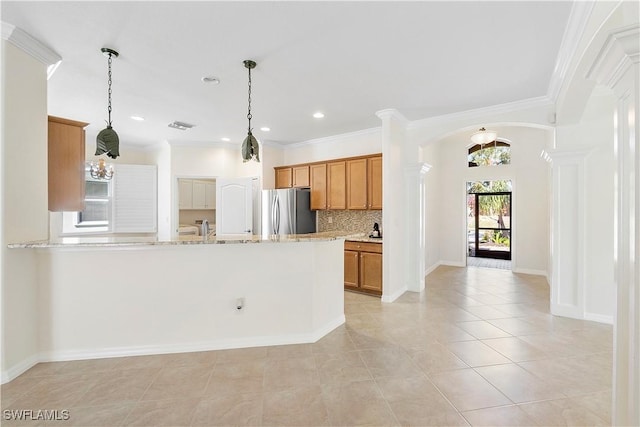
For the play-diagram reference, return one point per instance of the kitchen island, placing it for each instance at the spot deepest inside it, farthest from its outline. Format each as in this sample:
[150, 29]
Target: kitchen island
[105, 297]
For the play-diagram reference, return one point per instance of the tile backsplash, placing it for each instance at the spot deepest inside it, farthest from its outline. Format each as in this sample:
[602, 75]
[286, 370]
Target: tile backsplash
[357, 221]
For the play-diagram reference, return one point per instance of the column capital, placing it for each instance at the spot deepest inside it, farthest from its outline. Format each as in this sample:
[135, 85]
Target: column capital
[569, 156]
[392, 113]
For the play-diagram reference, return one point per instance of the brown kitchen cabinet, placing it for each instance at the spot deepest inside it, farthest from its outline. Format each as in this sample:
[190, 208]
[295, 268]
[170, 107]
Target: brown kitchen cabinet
[363, 267]
[300, 176]
[336, 185]
[357, 184]
[318, 178]
[66, 164]
[374, 182]
[284, 177]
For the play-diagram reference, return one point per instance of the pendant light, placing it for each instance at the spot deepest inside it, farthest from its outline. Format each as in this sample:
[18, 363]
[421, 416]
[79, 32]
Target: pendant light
[250, 147]
[107, 140]
[483, 136]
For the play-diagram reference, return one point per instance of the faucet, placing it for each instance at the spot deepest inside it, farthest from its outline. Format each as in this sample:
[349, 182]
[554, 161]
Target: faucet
[204, 229]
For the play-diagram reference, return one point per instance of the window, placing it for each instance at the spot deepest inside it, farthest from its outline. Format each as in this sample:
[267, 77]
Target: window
[96, 216]
[490, 154]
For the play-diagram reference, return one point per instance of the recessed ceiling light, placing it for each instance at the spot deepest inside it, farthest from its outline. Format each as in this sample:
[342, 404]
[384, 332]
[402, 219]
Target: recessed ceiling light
[137, 118]
[211, 79]
[226, 139]
[265, 129]
[318, 115]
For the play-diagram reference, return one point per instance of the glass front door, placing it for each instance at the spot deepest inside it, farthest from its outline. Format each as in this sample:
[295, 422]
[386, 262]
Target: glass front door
[489, 225]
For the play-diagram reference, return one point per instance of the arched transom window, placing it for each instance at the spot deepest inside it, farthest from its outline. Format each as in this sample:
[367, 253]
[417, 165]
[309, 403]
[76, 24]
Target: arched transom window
[490, 154]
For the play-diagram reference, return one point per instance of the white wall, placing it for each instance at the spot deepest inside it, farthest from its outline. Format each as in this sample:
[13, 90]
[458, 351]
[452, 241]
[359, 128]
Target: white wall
[24, 200]
[353, 144]
[430, 155]
[529, 175]
[271, 156]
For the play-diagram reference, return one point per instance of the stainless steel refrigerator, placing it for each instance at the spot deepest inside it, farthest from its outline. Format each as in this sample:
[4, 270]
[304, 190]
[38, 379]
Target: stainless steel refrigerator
[287, 211]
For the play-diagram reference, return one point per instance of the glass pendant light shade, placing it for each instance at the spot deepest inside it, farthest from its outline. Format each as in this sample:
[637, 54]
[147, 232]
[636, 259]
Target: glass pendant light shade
[484, 136]
[107, 140]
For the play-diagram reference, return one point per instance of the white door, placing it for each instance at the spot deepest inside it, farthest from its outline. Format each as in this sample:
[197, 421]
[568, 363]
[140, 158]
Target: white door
[234, 206]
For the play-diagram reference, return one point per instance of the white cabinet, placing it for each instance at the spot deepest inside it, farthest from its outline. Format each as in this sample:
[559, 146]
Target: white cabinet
[135, 199]
[196, 194]
[204, 195]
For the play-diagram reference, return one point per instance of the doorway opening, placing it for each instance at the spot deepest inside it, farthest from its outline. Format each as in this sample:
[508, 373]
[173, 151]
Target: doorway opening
[489, 219]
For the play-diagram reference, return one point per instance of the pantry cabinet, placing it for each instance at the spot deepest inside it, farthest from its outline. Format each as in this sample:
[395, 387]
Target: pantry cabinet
[196, 194]
[66, 164]
[374, 182]
[336, 185]
[363, 267]
[357, 184]
[318, 178]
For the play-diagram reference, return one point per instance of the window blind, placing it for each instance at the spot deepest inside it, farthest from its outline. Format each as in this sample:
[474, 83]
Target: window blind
[135, 196]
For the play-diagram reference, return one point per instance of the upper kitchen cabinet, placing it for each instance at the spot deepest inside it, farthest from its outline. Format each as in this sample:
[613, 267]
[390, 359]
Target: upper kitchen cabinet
[336, 185]
[284, 177]
[66, 164]
[357, 184]
[185, 193]
[300, 176]
[204, 194]
[374, 182]
[318, 178]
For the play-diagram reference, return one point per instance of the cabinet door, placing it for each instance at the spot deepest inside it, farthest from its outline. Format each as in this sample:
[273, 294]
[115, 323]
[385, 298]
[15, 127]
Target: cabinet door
[371, 271]
[283, 178]
[210, 195]
[198, 200]
[374, 182]
[357, 184]
[336, 185]
[301, 176]
[185, 193]
[66, 159]
[351, 266]
[318, 186]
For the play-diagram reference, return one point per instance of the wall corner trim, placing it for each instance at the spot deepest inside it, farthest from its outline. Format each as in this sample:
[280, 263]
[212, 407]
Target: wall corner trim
[30, 45]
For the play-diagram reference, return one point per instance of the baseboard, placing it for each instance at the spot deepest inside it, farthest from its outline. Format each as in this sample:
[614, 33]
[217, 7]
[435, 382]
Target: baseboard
[429, 270]
[453, 263]
[530, 271]
[394, 296]
[223, 344]
[600, 318]
[19, 369]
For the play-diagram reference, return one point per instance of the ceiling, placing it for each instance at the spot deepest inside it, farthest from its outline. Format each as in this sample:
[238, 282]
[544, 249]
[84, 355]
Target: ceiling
[346, 59]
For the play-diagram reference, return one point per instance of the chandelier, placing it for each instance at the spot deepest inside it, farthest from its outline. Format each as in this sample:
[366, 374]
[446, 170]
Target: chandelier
[250, 147]
[101, 170]
[484, 136]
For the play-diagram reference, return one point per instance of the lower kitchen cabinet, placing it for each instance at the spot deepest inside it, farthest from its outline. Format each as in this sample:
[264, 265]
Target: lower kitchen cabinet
[363, 267]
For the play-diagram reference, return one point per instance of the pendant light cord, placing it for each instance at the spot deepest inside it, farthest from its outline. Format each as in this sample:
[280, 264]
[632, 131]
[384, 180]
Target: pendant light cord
[249, 109]
[109, 93]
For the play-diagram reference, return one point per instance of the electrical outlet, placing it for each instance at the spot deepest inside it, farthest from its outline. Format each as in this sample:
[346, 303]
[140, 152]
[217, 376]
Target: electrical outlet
[330, 220]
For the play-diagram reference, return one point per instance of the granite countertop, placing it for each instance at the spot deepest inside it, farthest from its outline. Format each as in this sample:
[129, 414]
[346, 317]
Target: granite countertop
[71, 242]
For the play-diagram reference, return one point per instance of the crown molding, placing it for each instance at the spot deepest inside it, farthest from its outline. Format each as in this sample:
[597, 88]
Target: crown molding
[509, 107]
[332, 138]
[205, 144]
[620, 51]
[573, 32]
[30, 45]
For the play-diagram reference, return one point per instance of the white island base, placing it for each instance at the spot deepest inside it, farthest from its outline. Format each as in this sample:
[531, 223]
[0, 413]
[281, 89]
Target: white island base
[107, 301]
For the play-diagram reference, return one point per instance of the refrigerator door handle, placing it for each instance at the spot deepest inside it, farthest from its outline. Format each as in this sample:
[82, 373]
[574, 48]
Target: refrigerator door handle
[276, 217]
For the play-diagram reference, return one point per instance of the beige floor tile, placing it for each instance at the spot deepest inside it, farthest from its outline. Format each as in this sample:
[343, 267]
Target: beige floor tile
[356, 404]
[436, 358]
[339, 368]
[99, 416]
[518, 384]
[174, 413]
[237, 354]
[482, 329]
[10, 391]
[188, 359]
[236, 410]
[44, 369]
[118, 387]
[144, 362]
[301, 406]
[501, 416]
[371, 338]
[407, 388]
[515, 349]
[180, 381]
[517, 326]
[389, 362]
[467, 390]
[562, 412]
[448, 332]
[475, 353]
[281, 374]
[287, 351]
[236, 378]
[335, 342]
[58, 391]
[426, 412]
[92, 365]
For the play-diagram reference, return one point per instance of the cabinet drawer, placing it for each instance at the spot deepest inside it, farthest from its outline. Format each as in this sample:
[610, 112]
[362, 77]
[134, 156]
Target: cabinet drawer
[363, 246]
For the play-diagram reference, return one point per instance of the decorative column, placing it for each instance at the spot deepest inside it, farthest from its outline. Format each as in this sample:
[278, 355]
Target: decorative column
[617, 67]
[567, 233]
[393, 202]
[415, 222]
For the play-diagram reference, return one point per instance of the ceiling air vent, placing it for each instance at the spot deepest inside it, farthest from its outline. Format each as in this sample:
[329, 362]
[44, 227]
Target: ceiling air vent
[180, 125]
